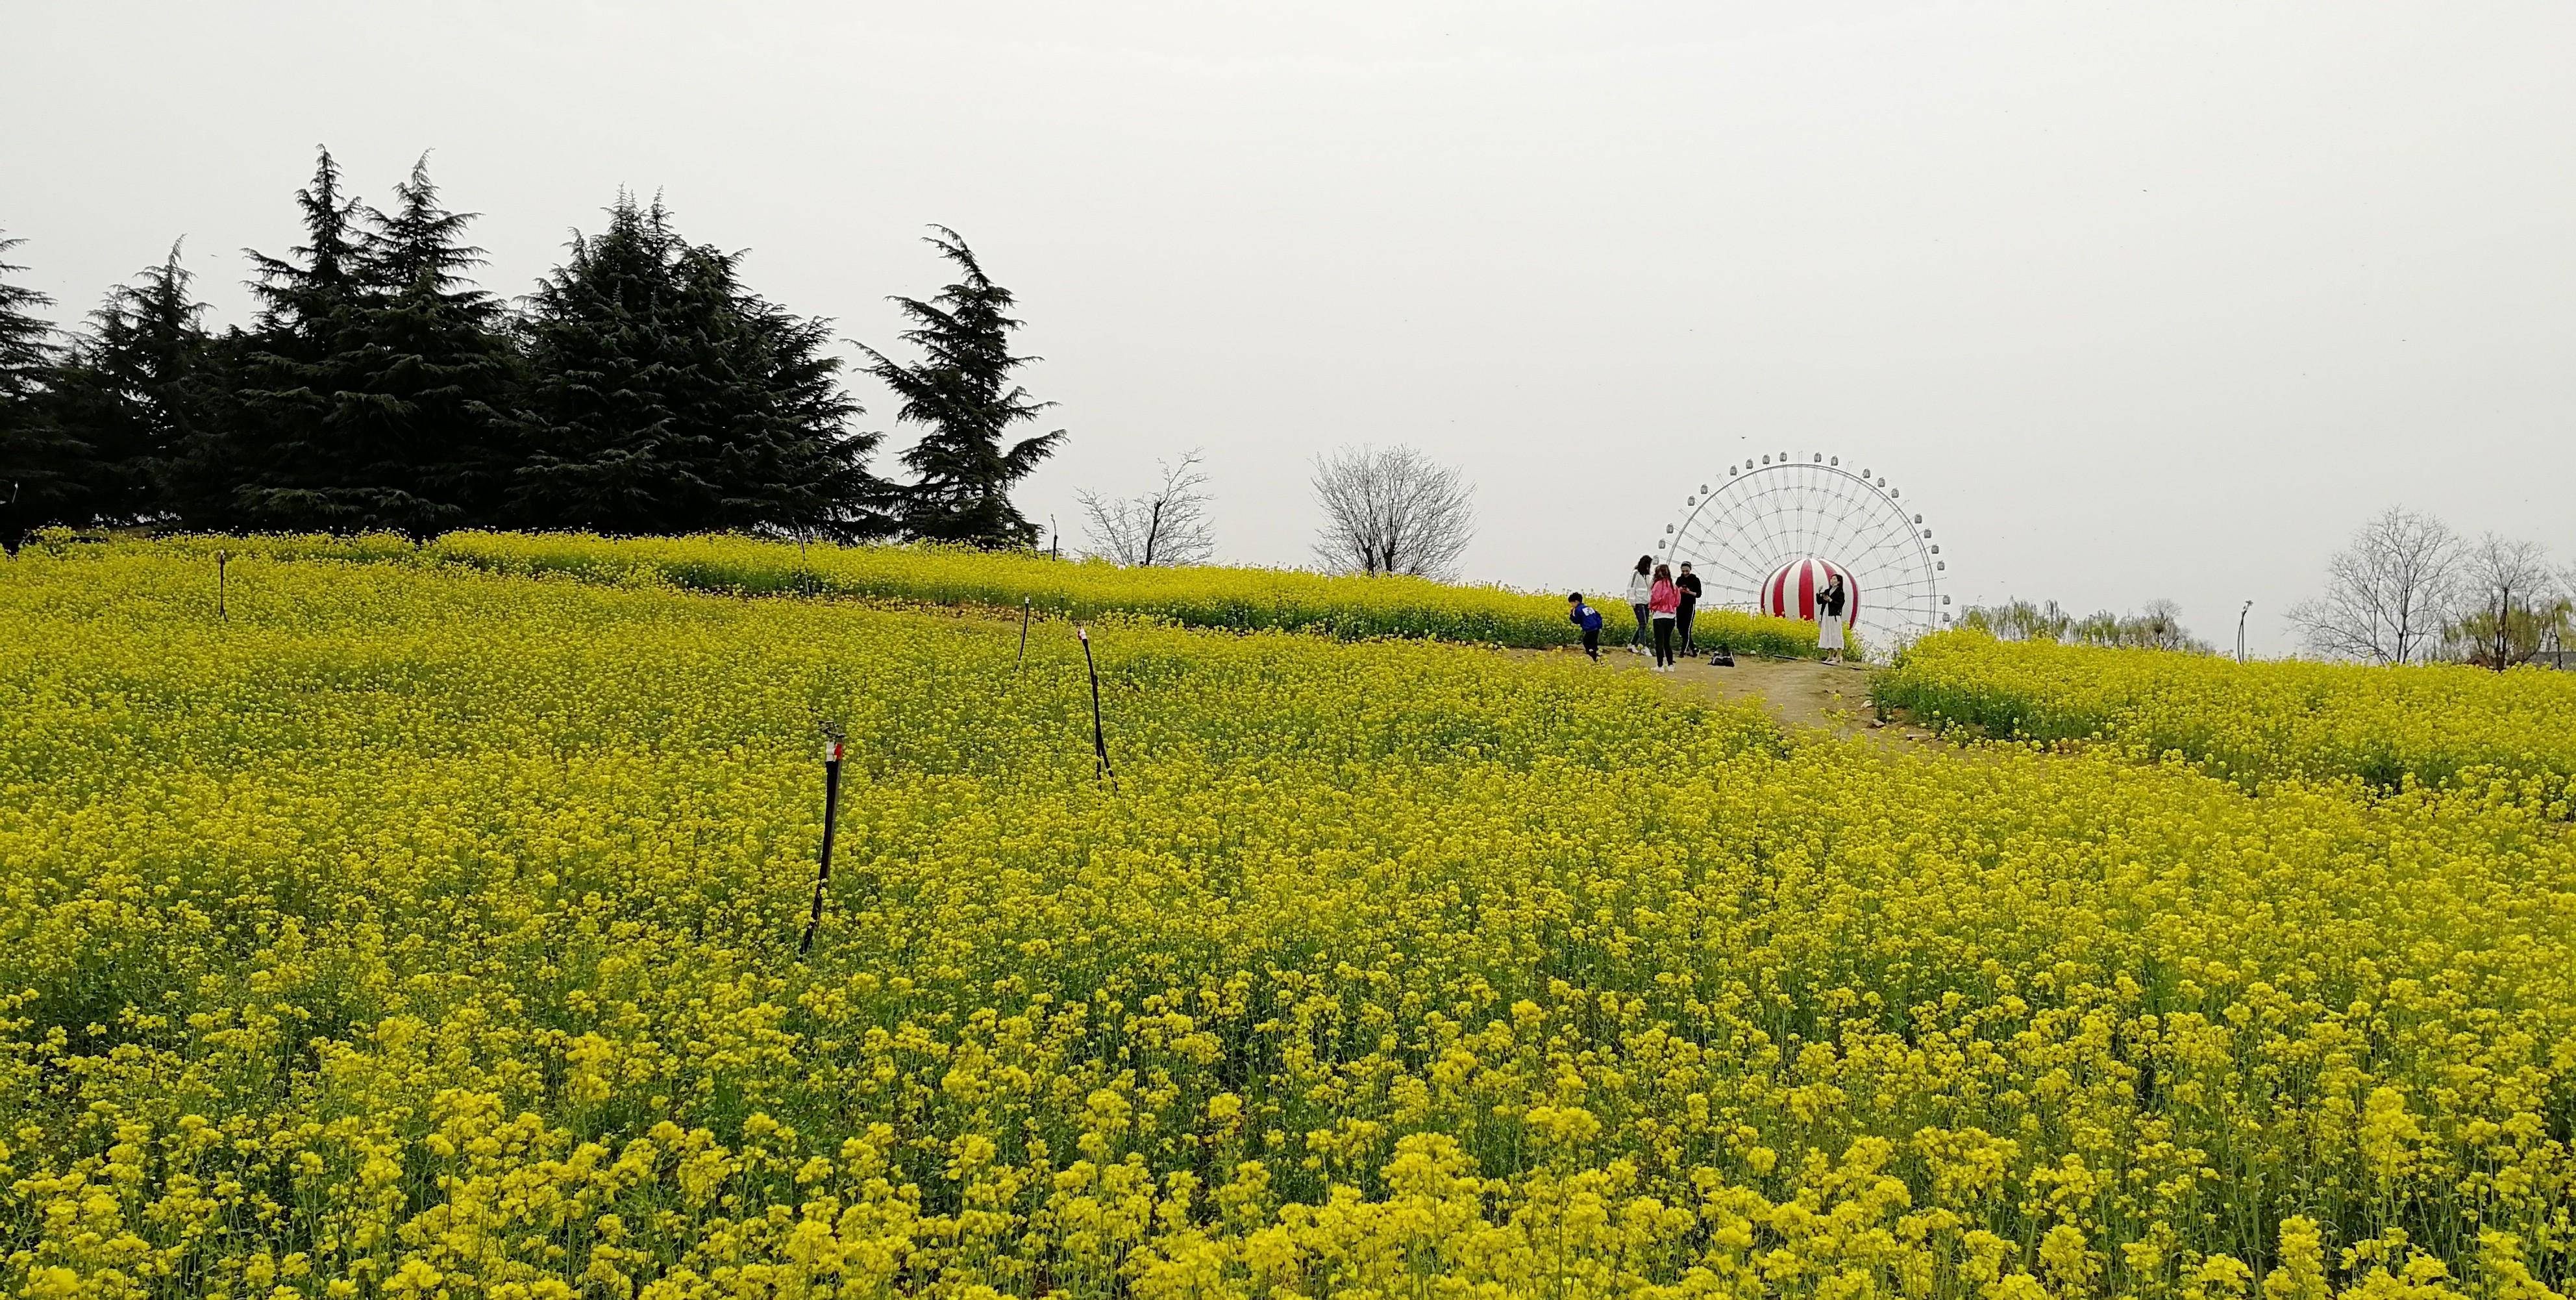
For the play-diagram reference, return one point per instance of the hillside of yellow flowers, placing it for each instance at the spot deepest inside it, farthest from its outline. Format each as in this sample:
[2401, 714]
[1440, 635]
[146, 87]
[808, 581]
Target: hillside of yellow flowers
[2509, 735]
[1239, 599]
[416, 929]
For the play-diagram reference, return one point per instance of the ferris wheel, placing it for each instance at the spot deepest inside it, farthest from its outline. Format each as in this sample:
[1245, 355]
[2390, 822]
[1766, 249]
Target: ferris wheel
[1776, 529]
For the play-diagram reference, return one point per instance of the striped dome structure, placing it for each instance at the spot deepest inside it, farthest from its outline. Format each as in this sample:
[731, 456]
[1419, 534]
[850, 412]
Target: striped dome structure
[1791, 590]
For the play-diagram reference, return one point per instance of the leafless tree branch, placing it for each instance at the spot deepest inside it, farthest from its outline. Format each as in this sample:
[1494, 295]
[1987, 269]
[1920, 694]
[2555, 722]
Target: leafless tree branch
[2507, 605]
[1392, 511]
[1168, 526]
[2388, 593]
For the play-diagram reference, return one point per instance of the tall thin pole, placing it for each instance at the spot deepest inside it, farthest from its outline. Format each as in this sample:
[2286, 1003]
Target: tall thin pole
[221, 559]
[1099, 738]
[831, 814]
[2240, 630]
[1024, 635]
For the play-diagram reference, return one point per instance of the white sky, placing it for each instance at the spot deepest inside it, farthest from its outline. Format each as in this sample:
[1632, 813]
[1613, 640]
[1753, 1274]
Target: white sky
[2132, 301]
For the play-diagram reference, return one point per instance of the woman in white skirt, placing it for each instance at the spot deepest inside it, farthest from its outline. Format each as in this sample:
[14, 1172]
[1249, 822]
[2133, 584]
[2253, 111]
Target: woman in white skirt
[1829, 620]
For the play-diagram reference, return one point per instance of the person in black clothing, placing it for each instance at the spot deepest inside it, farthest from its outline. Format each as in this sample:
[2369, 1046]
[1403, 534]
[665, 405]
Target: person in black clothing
[1688, 582]
[1829, 620]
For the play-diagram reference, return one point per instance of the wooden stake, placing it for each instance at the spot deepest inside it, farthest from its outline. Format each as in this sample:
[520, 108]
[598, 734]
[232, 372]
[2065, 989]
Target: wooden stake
[831, 813]
[1099, 738]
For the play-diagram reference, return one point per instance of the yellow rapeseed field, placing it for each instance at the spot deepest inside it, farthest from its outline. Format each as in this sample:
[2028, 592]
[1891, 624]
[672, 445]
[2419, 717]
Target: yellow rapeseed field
[1244, 600]
[418, 930]
[2510, 735]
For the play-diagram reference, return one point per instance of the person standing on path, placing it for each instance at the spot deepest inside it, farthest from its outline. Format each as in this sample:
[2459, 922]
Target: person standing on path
[1663, 601]
[1829, 620]
[1688, 583]
[1641, 584]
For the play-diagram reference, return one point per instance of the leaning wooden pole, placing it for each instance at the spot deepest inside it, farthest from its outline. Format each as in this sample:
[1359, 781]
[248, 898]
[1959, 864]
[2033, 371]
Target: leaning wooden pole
[1024, 635]
[1099, 737]
[831, 814]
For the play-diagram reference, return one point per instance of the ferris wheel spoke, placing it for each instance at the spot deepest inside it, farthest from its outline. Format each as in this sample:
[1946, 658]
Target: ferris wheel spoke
[1752, 568]
[1889, 547]
[1724, 569]
[1708, 537]
[1857, 502]
[1815, 513]
[1889, 535]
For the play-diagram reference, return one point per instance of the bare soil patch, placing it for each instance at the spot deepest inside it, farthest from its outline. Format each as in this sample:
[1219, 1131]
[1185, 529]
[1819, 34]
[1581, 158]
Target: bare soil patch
[1798, 693]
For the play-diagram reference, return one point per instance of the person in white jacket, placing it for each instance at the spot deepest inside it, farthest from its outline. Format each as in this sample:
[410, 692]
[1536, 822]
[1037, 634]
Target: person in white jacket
[1641, 587]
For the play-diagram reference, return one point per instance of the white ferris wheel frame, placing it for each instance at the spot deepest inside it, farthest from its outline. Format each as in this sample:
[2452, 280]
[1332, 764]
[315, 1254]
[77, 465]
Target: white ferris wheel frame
[1776, 509]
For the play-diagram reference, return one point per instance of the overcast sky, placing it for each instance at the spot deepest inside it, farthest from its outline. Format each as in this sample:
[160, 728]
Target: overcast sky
[2132, 301]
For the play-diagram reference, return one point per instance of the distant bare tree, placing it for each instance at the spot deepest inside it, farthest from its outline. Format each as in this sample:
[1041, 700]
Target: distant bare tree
[2388, 593]
[2507, 600]
[1167, 526]
[2557, 620]
[2156, 627]
[2501, 567]
[2559, 635]
[2159, 627]
[1392, 511]
[2020, 620]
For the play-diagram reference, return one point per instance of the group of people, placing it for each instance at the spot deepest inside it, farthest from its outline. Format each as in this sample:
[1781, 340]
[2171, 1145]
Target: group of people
[1665, 602]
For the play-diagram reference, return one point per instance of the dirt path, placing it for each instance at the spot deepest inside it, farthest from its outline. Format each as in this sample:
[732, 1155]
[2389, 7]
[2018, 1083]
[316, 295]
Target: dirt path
[1796, 692]
[1801, 694]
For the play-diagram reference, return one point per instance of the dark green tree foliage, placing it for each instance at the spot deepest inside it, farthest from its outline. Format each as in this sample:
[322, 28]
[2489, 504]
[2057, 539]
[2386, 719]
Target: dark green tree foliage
[441, 363]
[962, 391]
[141, 389]
[666, 398]
[40, 466]
[296, 461]
[375, 389]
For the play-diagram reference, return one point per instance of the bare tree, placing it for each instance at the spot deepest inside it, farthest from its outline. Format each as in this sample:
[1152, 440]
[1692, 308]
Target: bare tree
[2506, 599]
[1392, 511]
[2558, 621]
[1167, 526]
[2498, 568]
[2388, 593]
[2159, 627]
[2020, 620]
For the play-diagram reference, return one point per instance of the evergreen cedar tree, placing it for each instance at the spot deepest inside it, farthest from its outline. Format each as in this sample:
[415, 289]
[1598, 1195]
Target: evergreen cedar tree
[376, 392]
[141, 386]
[439, 369]
[642, 389]
[39, 462]
[962, 392]
[666, 398]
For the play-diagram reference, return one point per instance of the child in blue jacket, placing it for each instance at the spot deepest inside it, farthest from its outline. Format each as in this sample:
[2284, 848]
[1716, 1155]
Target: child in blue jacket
[1589, 619]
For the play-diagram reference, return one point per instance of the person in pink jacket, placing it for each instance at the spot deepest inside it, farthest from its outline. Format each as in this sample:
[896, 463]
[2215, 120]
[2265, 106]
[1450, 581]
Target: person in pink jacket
[1663, 603]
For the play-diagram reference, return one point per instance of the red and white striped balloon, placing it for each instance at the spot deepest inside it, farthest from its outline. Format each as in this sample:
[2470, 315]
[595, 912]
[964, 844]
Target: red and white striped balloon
[1791, 590]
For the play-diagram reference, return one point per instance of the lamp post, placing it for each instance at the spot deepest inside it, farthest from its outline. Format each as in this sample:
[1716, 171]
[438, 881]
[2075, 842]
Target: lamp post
[2240, 630]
